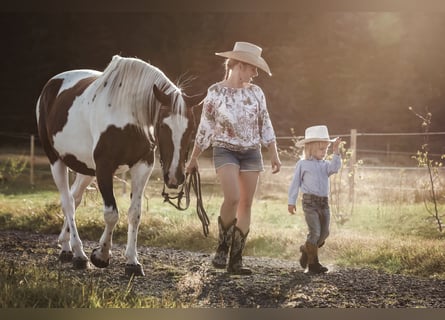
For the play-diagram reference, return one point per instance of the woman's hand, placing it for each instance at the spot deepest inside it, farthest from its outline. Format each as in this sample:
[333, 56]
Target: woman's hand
[192, 165]
[274, 158]
[276, 164]
[291, 209]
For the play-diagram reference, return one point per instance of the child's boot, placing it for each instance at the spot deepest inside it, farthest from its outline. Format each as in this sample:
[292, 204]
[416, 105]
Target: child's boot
[224, 243]
[303, 258]
[314, 264]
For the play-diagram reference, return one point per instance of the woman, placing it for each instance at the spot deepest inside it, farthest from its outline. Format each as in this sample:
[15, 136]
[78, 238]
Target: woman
[235, 122]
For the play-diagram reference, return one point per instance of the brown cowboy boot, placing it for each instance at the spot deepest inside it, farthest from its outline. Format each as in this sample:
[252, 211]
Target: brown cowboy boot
[236, 253]
[314, 265]
[224, 243]
[303, 258]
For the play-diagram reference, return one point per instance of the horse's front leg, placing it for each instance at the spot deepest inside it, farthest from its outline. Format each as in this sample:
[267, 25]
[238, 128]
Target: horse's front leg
[100, 256]
[72, 248]
[140, 173]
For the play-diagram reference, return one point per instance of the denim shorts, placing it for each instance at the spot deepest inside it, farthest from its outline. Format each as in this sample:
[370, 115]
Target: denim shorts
[246, 160]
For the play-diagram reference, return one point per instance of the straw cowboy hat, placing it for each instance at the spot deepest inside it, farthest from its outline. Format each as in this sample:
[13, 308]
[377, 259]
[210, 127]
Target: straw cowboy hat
[247, 52]
[315, 133]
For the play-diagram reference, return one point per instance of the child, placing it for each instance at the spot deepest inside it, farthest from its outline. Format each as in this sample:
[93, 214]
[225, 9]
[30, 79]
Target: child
[312, 177]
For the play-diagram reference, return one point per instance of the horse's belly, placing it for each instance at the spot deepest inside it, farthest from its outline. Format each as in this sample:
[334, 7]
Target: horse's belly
[75, 143]
[121, 169]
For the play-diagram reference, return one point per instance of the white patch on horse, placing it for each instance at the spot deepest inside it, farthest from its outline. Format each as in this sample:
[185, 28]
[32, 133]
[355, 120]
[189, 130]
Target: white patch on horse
[178, 125]
[38, 110]
[85, 124]
[70, 78]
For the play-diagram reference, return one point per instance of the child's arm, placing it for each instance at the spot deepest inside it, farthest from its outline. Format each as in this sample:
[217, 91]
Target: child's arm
[335, 164]
[336, 145]
[294, 188]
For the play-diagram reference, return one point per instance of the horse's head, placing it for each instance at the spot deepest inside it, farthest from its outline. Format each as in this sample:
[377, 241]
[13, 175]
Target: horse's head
[174, 133]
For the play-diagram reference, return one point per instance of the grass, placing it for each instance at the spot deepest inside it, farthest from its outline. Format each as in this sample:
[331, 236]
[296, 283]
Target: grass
[402, 242]
[389, 229]
[53, 289]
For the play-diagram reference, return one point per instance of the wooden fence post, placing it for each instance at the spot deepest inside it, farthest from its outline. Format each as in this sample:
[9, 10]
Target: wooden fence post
[352, 164]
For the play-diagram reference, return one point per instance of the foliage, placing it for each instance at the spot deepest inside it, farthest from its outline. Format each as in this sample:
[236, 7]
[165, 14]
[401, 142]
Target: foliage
[11, 169]
[431, 199]
[342, 207]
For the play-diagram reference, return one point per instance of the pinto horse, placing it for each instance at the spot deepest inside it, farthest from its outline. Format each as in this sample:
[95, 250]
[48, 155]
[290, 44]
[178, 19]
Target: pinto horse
[101, 123]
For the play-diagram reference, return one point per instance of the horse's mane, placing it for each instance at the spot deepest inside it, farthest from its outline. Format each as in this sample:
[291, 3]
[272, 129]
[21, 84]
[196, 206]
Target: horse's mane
[129, 84]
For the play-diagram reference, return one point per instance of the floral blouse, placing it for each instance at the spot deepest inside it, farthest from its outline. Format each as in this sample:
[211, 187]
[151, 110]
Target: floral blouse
[234, 118]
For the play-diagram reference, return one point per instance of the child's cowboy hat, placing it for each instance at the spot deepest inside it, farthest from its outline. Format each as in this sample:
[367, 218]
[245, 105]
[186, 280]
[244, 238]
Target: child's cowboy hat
[315, 133]
[247, 52]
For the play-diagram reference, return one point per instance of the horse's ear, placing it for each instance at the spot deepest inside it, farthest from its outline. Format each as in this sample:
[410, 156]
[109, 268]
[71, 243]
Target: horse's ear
[163, 98]
[192, 101]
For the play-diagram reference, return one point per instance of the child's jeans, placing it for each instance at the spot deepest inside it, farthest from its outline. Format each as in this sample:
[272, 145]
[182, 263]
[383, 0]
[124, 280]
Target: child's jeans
[318, 217]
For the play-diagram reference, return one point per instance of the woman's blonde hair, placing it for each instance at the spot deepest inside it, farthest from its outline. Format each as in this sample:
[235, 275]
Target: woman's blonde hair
[228, 65]
[310, 147]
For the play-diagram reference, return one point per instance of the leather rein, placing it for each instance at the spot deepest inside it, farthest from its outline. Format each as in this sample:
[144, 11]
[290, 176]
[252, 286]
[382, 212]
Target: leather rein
[192, 181]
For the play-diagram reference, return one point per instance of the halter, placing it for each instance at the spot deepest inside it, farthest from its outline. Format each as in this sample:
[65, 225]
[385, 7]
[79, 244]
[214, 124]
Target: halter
[191, 180]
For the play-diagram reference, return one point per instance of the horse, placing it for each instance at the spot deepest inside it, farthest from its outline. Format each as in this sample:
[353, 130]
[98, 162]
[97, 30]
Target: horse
[99, 124]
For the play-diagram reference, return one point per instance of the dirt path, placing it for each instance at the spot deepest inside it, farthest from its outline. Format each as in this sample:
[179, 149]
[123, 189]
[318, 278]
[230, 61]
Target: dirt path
[190, 278]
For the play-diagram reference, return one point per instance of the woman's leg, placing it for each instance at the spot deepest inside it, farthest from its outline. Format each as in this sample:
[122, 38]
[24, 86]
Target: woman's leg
[248, 181]
[228, 176]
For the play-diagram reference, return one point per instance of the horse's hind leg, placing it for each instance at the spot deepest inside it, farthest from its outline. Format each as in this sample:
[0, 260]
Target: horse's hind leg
[100, 256]
[80, 260]
[77, 189]
[139, 176]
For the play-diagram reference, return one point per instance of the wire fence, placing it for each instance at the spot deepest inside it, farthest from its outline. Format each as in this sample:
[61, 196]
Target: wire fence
[394, 169]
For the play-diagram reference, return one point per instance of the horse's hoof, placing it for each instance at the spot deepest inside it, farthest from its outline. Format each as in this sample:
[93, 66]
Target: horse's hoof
[134, 270]
[99, 262]
[80, 263]
[66, 256]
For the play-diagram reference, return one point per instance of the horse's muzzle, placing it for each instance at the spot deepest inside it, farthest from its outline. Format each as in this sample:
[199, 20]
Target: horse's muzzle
[172, 182]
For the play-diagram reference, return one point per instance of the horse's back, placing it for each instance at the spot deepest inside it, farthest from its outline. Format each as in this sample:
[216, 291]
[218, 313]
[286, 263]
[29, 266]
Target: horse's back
[55, 102]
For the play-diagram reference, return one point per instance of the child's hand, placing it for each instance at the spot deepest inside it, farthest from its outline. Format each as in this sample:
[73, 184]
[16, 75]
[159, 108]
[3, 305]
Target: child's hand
[336, 145]
[291, 209]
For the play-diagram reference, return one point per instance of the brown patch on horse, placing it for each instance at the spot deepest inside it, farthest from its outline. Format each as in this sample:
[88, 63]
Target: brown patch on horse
[53, 120]
[77, 166]
[124, 146]
[120, 146]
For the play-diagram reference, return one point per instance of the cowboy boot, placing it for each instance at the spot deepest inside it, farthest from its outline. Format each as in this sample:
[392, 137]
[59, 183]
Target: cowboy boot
[314, 265]
[303, 258]
[236, 253]
[224, 243]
